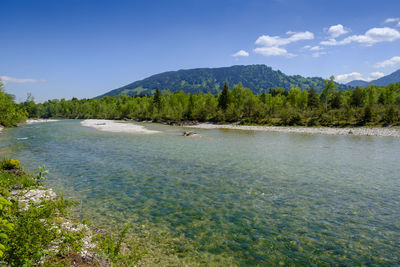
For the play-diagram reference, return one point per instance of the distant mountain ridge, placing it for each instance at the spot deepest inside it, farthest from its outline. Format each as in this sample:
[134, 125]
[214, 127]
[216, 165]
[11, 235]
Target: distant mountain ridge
[385, 80]
[357, 83]
[259, 78]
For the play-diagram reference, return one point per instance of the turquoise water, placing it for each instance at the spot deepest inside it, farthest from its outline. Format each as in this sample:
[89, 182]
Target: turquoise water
[243, 197]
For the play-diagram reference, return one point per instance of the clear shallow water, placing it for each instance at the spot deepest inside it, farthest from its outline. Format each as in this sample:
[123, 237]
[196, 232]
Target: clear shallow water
[254, 198]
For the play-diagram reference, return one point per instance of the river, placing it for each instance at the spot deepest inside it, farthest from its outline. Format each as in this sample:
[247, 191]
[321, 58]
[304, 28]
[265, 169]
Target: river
[228, 196]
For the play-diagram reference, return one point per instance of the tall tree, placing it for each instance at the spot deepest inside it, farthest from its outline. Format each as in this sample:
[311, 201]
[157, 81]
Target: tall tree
[190, 108]
[329, 87]
[224, 98]
[357, 97]
[336, 100]
[157, 99]
[313, 100]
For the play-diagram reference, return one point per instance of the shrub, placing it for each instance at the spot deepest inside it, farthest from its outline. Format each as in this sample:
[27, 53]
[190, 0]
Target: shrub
[5, 225]
[36, 232]
[10, 164]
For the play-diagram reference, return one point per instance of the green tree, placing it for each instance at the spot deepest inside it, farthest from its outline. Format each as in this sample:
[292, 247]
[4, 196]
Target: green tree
[313, 99]
[224, 98]
[10, 113]
[367, 114]
[336, 100]
[326, 93]
[357, 97]
[157, 99]
[390, 115]
[190, 108]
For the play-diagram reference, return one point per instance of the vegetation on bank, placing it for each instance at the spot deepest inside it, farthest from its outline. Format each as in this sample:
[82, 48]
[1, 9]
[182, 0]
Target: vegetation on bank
[41, 231]
[370, 106]
[10, 113]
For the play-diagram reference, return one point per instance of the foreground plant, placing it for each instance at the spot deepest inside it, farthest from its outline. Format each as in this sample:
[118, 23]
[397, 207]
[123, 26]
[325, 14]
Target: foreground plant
[36, 227]
[31, 231]
[118, 250]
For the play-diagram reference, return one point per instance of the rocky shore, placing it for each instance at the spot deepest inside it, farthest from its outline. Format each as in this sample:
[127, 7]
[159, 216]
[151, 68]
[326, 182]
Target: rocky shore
[35, 196]
[361, 131]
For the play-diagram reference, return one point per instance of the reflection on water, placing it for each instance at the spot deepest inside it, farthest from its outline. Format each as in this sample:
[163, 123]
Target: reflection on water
[253, 198]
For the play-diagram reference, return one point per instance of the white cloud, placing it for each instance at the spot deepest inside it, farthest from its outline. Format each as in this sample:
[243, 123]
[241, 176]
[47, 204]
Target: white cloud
[273, 51]
[348, 77]
[396, 20]
[241, 53]
[272, 45]
[316, 48]
[266, 40]
[329, 42]
[7, 79]
[318, 54]
[375, 75]
[337, 30]
[388, 63]
[372, 36]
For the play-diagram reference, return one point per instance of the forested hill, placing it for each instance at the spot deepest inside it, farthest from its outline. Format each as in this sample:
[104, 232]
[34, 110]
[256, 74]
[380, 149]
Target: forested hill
[259, 78]
[385, 80]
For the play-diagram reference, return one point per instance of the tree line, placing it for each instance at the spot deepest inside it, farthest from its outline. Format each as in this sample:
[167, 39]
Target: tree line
[372, 105]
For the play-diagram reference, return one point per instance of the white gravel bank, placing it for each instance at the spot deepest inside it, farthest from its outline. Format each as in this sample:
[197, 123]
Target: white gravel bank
[117, 126]
[366, 131]
[30, 121]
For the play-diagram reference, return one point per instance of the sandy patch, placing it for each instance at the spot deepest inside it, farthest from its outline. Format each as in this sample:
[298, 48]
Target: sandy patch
[117, 126]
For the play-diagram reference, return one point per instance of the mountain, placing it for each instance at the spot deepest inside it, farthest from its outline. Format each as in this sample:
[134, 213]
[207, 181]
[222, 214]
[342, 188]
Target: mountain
[385, 80]
[259, 78]
[388, 79]
[357, 83]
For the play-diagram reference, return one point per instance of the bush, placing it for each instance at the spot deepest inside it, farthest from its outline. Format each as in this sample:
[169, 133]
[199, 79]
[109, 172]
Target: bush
[5, 225]
[10, 164]
[36, 230]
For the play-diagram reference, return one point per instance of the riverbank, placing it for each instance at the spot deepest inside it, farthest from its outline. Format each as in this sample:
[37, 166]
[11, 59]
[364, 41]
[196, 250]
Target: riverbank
[121, 126]
[116, 126]
[361, 131]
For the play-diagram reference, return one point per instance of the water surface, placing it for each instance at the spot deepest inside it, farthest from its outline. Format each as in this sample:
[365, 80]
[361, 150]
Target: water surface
[243, 197]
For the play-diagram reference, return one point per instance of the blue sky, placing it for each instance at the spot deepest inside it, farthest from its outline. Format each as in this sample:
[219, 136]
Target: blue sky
[67, 48]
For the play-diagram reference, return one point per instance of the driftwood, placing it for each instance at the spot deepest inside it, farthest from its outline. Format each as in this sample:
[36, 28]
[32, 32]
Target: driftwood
[189, 133]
